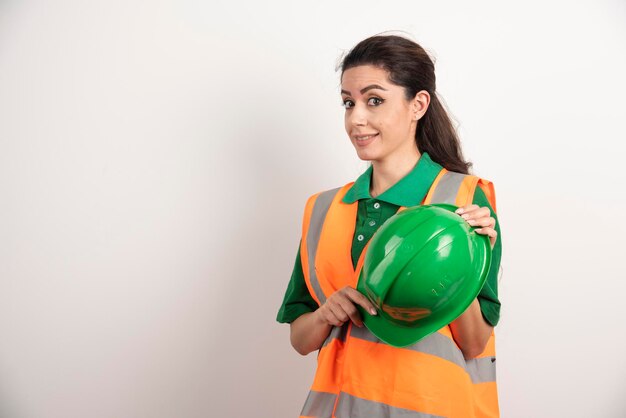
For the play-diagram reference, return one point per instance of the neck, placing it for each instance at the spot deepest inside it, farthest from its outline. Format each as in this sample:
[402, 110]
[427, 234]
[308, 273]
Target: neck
[388, 172]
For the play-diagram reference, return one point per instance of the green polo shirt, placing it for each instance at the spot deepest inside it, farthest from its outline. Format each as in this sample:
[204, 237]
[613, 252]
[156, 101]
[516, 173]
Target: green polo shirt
[371, 214]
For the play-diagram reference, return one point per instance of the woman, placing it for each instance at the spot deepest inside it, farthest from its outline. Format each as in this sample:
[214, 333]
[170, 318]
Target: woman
[395, 121]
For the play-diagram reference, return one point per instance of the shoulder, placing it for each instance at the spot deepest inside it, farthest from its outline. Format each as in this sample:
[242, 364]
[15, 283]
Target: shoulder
[480, 198]
[486, 191]
[471, 187]
[327, 196]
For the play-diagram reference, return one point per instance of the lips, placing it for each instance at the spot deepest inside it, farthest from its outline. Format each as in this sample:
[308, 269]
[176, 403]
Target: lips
[364, 139]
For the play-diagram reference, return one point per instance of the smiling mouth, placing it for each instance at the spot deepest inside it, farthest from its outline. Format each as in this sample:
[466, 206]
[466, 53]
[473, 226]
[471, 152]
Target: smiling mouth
[364, 137]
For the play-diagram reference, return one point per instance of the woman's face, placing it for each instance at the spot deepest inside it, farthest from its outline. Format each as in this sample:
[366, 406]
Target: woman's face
[379, 120]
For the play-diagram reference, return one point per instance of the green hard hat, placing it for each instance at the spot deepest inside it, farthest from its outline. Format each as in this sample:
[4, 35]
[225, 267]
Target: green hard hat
[422, 270]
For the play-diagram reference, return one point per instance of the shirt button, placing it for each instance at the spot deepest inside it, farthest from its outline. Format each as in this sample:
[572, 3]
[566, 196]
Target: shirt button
[360, 237]
[372, 223]
[376, 205]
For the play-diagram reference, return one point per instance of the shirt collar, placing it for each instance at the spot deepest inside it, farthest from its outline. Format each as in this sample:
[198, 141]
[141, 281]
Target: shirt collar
[408, 191]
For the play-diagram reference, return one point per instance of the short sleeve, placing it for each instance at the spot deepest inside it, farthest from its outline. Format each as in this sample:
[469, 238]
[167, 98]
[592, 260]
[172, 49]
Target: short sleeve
[488, 296]
[297, 300]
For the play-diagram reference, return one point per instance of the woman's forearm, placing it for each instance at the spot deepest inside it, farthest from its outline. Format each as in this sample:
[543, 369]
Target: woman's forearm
[308, 332]
[470, 331]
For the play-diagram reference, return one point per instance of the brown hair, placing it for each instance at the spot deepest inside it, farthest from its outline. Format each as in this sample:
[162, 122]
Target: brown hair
[409, 66]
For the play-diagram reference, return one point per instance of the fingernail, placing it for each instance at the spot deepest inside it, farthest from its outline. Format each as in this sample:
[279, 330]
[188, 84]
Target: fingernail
[471, 221]
[373, 311]
[465, 216]
[459, 211]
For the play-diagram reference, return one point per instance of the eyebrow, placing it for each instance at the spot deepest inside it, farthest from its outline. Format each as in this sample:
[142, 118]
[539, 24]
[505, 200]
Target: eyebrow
[365, 89]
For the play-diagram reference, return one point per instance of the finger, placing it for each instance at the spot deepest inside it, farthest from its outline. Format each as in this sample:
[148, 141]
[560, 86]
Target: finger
[466, 208]
[332, 320]
[353, 313]
[360, 299]
[476, 213]
[339, 313]
[329, 317]
[490, 232]
[482, 222]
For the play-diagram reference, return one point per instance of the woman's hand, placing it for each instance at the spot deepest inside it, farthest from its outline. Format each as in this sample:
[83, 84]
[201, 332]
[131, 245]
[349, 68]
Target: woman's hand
[341, 307]
[310, 330]
[480, 217]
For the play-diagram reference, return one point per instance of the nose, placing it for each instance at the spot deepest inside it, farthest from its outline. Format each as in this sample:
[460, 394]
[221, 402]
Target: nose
[358, 116]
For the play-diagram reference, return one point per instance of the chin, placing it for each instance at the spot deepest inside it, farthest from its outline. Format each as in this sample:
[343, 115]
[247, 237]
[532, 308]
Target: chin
[365, 154]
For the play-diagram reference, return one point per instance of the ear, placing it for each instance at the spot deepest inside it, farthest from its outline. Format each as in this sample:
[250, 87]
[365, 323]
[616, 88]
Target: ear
[419, 104]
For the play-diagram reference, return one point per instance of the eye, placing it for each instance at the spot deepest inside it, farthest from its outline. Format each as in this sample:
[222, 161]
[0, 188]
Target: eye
[348, 104]
[375, 101]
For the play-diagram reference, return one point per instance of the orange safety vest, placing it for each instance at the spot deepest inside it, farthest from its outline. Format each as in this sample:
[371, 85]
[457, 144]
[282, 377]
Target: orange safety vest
[357, 374]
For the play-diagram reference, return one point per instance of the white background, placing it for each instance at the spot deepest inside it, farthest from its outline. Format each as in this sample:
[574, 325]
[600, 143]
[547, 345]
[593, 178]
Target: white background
[155, 157]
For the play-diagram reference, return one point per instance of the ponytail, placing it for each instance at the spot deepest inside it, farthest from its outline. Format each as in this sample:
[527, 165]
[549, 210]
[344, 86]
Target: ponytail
[436, 135]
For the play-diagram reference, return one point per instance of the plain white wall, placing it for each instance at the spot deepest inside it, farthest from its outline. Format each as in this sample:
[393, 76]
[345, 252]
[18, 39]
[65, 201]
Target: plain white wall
[155, 158]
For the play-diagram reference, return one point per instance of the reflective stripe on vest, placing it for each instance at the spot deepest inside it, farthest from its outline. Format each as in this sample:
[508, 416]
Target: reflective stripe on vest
[448, 188]
[338, 333]
[320, 209]
[320, 405]
[480, 369]
[358, 375]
